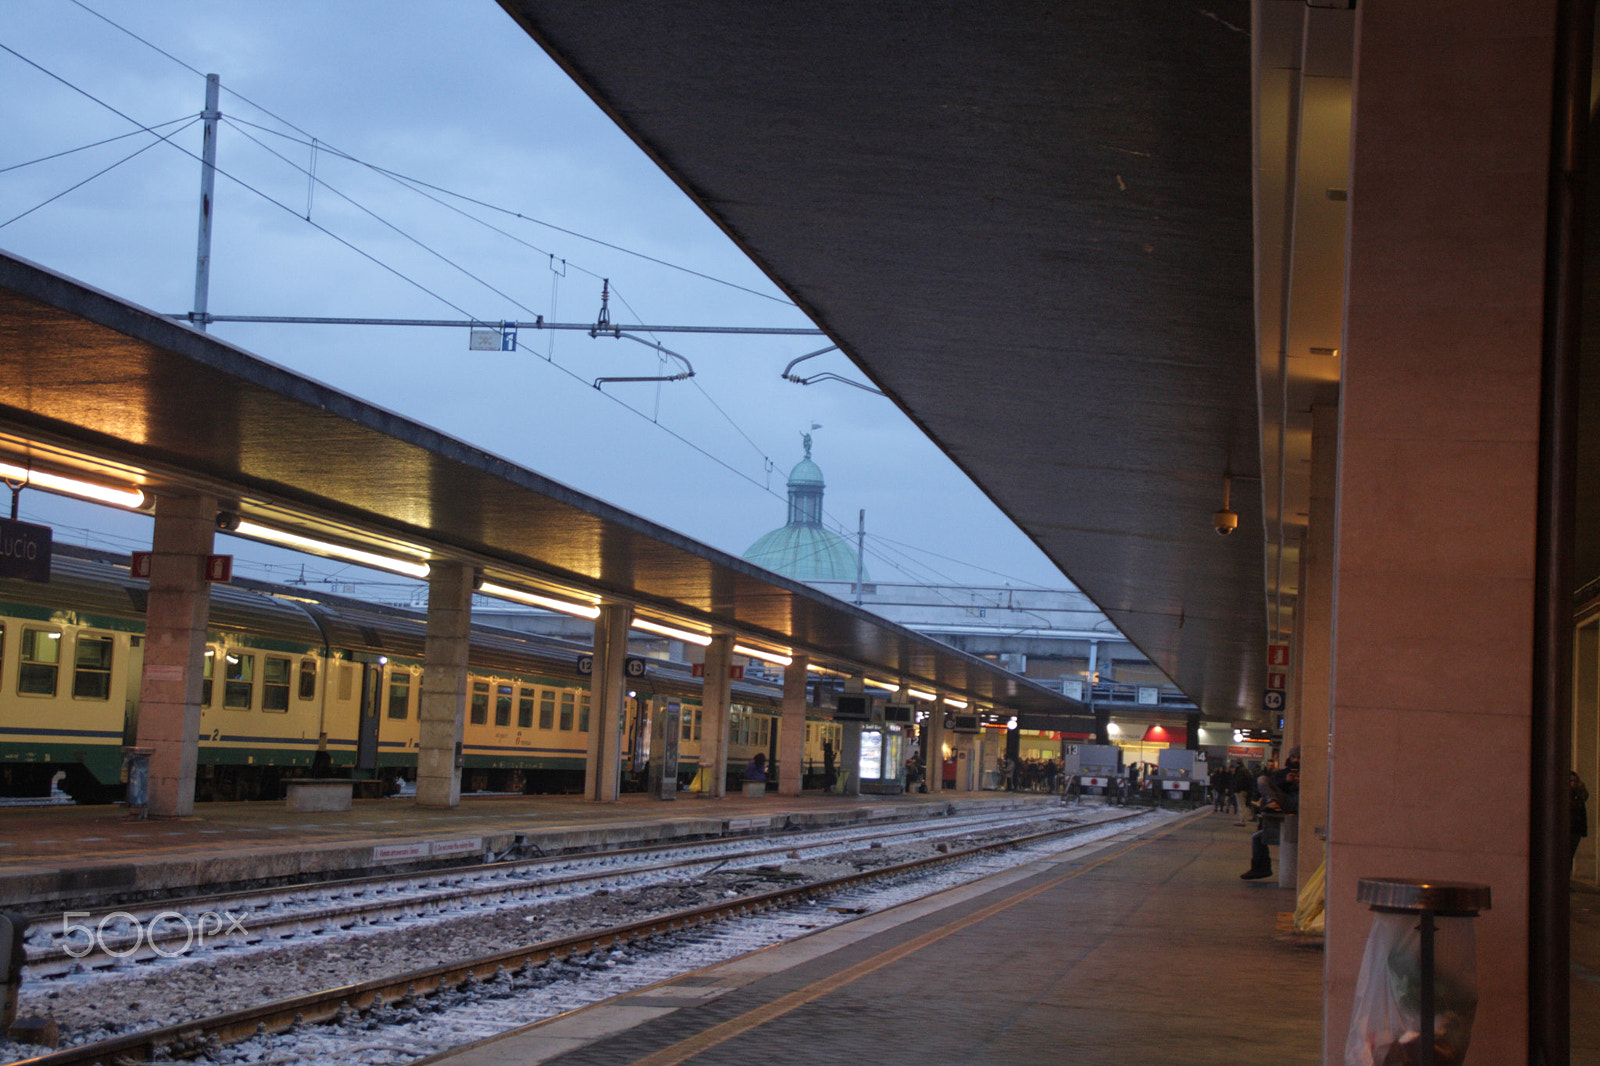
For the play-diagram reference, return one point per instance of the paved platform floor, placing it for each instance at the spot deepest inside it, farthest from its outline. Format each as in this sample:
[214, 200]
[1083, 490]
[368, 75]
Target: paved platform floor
[54, 853]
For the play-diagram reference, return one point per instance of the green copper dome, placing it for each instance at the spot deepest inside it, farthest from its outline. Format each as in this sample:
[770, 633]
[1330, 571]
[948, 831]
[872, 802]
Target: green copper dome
[802, 549]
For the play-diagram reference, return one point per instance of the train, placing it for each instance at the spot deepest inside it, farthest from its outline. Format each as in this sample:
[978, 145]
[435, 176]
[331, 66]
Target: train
[297, 683]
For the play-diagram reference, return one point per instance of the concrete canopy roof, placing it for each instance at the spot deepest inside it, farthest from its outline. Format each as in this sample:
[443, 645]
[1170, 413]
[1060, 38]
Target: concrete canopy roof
[96, 387]
[1030, 224]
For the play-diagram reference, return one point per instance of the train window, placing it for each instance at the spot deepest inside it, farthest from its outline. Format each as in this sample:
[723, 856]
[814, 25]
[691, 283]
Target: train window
[697, 716]
[238, 680]
[41, 659]
[206, 673]
[91, 670]
[688, 724]
[547, 709]
[308, 679]
[502, 705]
[399, 693]
[525, 708]
[583, 713]
[275, 684]
[480, 702]
[347, 681]
[568, 704]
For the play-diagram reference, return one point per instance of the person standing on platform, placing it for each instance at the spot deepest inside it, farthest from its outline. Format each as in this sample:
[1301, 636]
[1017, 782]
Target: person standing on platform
[1241, 791]
[828, 775]
[1578, 823]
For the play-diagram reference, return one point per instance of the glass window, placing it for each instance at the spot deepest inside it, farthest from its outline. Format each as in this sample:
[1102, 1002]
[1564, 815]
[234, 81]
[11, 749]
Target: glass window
[399, 693]
[686, 721]
[308, 679]
[347, 681]
[568, 703]
[41, 659]
[238, 680]
[275, 684]
[525, 709]
[480, 702]
[502, 705]
[697, 711]
[547, 709]
[206, 673]
[583, 713]
[91, 671]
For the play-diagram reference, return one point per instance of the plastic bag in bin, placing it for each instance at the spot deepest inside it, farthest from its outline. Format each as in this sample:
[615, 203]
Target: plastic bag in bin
[1385, 1028]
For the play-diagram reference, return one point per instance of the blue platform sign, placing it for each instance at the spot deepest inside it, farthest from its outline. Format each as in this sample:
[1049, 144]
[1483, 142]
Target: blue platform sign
[24, 551]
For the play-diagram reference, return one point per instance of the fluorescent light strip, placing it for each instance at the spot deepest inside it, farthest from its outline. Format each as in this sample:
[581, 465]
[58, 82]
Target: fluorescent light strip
[132, 499]
[408, 567]
[766, 656]
[918, 694]
[488, 588]
[959, 705]
[667, 631]
[889, 686]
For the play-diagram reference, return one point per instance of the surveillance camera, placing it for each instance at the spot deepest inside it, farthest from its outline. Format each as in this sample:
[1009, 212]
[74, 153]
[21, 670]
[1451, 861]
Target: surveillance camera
[228, 521]
[1225, 522]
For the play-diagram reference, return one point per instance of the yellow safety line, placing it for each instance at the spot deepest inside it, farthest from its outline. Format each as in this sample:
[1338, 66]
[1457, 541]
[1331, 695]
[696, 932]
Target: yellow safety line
[725, 1031]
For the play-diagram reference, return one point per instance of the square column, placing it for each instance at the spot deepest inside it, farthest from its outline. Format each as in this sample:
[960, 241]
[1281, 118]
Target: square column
[602, 779]
[1433, 622]
[792, 728]
[714, 699]
[933, 747]
[442, 703]
[1313, 640]
[174, 649]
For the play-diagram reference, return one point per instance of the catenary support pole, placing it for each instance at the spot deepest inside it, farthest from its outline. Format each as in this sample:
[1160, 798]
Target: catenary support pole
[208, 183]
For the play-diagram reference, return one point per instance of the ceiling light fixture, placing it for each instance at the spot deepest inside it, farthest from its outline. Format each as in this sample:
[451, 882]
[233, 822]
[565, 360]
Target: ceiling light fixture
[21, 477]
[765, 656]
[409, 567]
[959, 705]
[668, 631]
[918, 694]
[889, 686]
[581, 610]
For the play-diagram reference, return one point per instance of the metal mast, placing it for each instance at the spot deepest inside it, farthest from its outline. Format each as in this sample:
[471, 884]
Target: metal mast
[208, 179]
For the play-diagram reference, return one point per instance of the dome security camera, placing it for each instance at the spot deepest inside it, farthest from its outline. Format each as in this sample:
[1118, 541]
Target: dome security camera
[1225, 522]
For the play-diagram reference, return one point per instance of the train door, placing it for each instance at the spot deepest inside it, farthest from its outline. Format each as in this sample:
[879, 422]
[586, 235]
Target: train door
[134, 672]
[367, 725]
[638, 734]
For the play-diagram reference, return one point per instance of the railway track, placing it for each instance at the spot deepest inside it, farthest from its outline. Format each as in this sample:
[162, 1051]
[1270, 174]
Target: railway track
[502, 972]
[80, 942]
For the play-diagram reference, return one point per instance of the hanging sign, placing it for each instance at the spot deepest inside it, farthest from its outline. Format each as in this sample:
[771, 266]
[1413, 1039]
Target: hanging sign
[24, 551]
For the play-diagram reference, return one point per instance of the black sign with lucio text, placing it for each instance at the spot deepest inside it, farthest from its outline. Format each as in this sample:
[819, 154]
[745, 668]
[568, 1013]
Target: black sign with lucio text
[24, 551]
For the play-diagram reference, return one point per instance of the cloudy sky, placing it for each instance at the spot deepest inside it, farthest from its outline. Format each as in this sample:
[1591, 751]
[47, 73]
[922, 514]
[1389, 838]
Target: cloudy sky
[425, 159]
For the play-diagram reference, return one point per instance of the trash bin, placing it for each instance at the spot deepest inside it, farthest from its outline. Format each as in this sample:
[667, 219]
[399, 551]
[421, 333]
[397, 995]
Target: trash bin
[136, 772]
[1417, 991]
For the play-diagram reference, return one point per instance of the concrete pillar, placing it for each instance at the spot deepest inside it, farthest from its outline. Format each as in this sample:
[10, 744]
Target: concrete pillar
[933, 747]
[174, 649]
[966, 756]
[850, 759]
[714, 698]
[602, 779]
[1313, 640]
[1438, 454]
[792, 728]
[442, 703]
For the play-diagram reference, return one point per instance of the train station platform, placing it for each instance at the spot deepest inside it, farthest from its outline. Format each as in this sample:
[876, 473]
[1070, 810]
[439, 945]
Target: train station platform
[53, 856]
[1143, 950]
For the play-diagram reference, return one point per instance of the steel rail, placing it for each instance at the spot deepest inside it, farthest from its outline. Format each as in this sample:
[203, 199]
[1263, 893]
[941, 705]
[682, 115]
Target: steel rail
[380, 897]
[189, 1039]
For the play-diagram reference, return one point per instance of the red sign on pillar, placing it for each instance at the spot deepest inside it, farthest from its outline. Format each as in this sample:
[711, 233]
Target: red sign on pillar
[219, 568]
[1277, 655]
[139, 564]
[697, 669]
[1275, 680]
